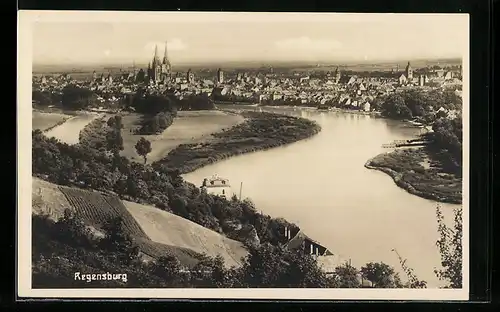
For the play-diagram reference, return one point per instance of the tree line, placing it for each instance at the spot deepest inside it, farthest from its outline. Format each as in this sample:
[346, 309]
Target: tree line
[74, 97]
[410, 104]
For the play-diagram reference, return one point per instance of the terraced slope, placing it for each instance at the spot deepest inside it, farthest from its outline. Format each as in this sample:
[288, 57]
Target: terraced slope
[169, 229]
[156, 232]
[95, 208]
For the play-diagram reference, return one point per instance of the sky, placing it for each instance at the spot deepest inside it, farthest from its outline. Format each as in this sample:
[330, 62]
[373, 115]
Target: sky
[113, 37]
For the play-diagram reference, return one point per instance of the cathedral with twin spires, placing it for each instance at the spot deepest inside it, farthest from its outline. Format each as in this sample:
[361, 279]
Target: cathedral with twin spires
[160, 71]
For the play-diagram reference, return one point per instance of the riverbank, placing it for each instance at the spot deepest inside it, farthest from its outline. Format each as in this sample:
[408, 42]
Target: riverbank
[356, 112]
[414, 170]
[260, 131]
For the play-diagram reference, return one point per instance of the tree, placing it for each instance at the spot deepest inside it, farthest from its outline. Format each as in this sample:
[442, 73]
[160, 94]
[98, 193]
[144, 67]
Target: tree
[265, 266]
[303, 271]
[152, 104]
[143, 148]
[381, 275]
[117, 240]
[168, 267]
[70, 229]
[114, 140]
[210, 272]
[416, 102]
[395, 107]
[413, 281]
[43, 98]
[115, 122]
[179, 205]
[346, 276]
[141, 75]
[74, 97]
[376, 104]
[137, 187]
[450, 248]
[162, 120]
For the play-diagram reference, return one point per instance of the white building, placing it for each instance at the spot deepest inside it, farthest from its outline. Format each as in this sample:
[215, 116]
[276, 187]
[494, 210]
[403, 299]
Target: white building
[217, 186]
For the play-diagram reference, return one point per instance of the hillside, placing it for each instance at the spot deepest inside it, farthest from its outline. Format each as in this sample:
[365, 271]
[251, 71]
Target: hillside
[156, 232]
[169, 229]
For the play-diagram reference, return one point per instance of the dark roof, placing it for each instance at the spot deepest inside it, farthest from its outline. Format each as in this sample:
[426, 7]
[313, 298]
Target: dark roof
[298, 240]
[344, 79]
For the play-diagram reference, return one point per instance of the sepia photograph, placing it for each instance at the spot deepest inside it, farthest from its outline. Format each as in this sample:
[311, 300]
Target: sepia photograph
[243, 155]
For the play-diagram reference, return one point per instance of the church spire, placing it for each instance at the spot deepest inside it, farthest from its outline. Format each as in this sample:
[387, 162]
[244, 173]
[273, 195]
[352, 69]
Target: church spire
[155, 57]
[165, 54]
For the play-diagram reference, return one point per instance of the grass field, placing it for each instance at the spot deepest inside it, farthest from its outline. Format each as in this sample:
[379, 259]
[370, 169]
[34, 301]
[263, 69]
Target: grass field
[188, 127]
[169, 229]
[69, 131]
[43, 121]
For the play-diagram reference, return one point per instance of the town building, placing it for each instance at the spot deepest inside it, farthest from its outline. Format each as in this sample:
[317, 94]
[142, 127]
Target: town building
[409, 72]
[160, 71]
[220, 76]
[337, 75]
[190, 76]
[217, 186]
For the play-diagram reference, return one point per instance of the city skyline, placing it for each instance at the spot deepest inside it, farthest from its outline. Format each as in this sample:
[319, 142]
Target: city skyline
[89, 38]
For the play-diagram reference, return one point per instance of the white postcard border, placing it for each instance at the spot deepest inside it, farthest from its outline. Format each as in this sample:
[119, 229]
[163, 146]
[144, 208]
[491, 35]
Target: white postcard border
[24, 63]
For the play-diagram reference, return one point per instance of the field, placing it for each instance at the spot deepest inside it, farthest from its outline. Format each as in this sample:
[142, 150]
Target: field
[69, 131]
[44, 121]
[188, 127]
[95, 208]
[169, 229]
[156, 232]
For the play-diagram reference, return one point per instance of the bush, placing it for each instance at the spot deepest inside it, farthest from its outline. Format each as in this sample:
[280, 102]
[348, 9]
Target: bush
[75, 98]
[155, 124]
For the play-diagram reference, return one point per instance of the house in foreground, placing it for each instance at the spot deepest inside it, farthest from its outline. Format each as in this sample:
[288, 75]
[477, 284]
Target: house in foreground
[301, 240]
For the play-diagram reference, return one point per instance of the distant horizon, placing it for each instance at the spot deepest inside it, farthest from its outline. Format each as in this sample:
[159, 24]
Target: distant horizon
[253, 61]
[250, 64]
[89, 38]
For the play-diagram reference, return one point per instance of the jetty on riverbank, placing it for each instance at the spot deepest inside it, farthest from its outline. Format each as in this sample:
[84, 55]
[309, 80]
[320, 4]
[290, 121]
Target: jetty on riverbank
[406, 143]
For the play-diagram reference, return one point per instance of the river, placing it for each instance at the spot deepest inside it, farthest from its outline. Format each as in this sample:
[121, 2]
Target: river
[321, 184]
[69, 131]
